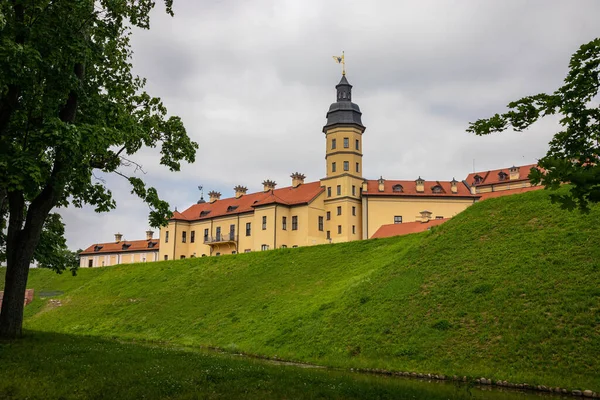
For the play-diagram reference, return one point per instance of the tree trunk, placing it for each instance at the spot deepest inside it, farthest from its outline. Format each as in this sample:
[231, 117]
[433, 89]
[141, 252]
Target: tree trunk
[11, 316]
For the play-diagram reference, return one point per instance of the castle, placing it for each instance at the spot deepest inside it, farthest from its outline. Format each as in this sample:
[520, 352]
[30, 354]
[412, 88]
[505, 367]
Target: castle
[341, 207]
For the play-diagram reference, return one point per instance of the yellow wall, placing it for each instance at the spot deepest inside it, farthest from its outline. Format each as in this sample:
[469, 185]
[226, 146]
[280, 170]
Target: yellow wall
[108, 259]
[502, 186]
[380, 211]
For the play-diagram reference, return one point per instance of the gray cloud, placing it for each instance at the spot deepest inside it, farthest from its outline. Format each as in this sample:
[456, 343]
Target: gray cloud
[252, 82]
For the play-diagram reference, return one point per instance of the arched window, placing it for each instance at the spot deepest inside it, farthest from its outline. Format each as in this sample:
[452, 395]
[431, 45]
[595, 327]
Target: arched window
[502, 175]
[437, 189]
[398, 188]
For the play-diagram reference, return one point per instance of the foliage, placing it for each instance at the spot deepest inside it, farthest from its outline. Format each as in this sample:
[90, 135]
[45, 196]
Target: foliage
[73, 51]
[574, 152]
[507, 289]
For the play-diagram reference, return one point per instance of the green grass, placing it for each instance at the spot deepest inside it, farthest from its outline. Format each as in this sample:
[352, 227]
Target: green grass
[508, 289]
[57, 366]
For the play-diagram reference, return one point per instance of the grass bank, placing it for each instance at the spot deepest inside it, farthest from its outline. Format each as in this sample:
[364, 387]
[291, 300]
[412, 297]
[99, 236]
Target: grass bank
[508, 289]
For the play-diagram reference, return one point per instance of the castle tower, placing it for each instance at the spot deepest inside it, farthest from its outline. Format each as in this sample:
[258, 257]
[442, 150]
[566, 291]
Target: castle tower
[343, 156]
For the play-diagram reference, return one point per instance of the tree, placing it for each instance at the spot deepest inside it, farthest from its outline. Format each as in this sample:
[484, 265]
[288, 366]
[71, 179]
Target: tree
[574, 152]
[70, 105]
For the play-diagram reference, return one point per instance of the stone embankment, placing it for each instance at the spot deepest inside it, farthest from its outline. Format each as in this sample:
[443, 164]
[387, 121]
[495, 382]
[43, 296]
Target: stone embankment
[490, 382]
[28, 296]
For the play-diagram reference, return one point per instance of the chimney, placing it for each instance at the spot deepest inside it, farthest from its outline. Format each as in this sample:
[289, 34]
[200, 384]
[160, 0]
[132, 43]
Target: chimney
[149, 235]
[118, 237]
[214, 196]
[365, 186]
[268, 185]
[297, 179]
[420, 185]
[473, 190]
[453, 186]
[240, 191]
[381, 182]
[514, 172]
[425, 216]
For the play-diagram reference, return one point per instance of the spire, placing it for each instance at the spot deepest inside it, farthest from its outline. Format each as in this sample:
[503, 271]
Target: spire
[344, 90]
[344, 111]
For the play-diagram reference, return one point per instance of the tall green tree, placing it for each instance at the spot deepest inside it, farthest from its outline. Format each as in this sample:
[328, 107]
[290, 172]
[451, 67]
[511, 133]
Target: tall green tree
[70, 105]
[574, 154]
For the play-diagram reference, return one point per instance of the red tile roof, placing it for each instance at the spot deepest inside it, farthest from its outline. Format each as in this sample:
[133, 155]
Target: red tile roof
[289, 196]
[114, 247]
[406, 228]
[409, 188]
[509, 192]
[491, 177]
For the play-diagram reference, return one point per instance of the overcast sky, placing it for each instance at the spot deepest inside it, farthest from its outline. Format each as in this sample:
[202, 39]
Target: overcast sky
[252, 81]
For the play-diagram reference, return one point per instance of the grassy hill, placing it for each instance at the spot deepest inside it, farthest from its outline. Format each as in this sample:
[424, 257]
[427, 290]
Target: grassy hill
[508, 289]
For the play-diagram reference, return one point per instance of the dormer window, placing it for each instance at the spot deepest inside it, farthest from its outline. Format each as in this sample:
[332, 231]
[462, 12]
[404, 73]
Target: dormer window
[125, 246]
[437, 189]
[97, 248]
[502, 176]
[204, 213]
[477, 179]
[231, 208]
[398, 188]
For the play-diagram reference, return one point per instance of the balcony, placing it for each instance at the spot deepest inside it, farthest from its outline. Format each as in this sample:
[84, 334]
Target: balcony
[226, 238]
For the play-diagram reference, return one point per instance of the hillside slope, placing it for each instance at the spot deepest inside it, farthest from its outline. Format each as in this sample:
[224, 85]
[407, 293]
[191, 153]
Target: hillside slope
[508, 289]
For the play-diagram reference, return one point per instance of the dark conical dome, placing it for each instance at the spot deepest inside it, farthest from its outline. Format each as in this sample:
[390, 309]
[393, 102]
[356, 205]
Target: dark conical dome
[344, 111]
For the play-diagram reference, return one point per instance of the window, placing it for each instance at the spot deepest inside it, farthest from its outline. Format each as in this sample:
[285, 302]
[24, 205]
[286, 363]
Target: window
[248, 228]
[353, 190]
[398, 219]
[231, 208]
[218, 233]
[328, 191]
[357, 167]
[167, 237]
[502, 175]
[397, 188]
[346, 142]
[437, 189]
[321, 224]
[346, 166]
[339, 190]
[478, 179]
[183, 236]
[357, 144]
[192, 236]
[328, 234]
[232, 232]
[354, 211]
[295, 223]
[328, 215]
[439, 217]
[182, 257]
[354, 229]
[204, 213]
[295, 246]
[264, 223]
[166, 258]
[264, 247]
[91, 262]
[234, 252]
[339, 210]
[247, 250]
[217, 254]
[206, 235]
[284, 223]
[333, 144]
[339, 229]
[333, 167]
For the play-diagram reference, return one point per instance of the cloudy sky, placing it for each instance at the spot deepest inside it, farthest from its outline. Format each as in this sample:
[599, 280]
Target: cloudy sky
[252, 81]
